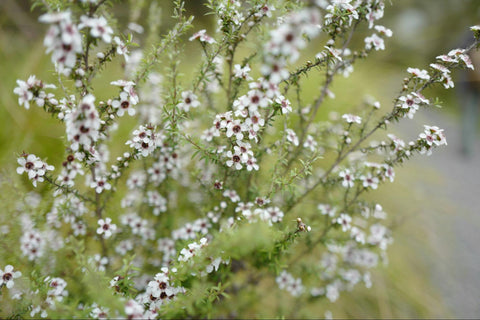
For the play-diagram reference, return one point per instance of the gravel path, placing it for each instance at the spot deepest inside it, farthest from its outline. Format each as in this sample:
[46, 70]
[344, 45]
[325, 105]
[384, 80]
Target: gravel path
[451, 215]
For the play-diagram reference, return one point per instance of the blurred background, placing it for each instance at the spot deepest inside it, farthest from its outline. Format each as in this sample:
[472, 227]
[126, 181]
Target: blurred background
[434, 268]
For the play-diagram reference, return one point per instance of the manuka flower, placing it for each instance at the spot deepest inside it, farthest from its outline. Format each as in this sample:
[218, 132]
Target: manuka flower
[7, 276]
[106, 227]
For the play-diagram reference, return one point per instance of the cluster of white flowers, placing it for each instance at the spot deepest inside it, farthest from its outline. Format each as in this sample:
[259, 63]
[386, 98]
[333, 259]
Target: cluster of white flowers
[191, 230]
[431, 137]
[351, 118]
[246, 120]
[70, 169]
[32, 244]
[135, 310]
[98, 26]
[445, 79]
[97, 262]
[192, 250]
[202, 36]
[269, 214]
[160, 290]
[98, 312]
[55, 293]
[377, 42]
[288, 283]
[356, 261]
[167, 247]
[411, 102]
[83, 124]
[143, 141]
[32, 90]
[138, 226]
[63, 39]
[286, 41]
[34, 167]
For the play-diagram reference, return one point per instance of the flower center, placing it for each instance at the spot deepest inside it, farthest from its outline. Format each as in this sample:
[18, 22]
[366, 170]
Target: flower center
[7, 277]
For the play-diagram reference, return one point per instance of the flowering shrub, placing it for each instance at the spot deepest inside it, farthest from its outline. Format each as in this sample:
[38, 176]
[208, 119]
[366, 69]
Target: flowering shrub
[230, 180]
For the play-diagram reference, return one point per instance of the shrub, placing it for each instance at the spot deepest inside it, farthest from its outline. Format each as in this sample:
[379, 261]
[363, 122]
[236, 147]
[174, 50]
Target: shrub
[232, 185]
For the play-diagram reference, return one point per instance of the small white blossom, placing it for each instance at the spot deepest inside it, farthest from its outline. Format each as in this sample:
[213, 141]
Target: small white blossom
[189, 100]
[344, 220]
[351, 118]
[7, 276]
[106, 227]
[292, 137]
[421, 74]
[348, 178]
[374, 42]
[202, 37]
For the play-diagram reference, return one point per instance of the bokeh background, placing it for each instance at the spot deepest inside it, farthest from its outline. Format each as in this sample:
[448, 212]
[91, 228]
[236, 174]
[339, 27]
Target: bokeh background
[434, 263]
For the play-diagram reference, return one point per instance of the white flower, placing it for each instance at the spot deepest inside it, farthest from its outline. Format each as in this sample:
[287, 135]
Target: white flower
[326, 209]
[7, 276]
[100, 184]
[134, 310]
[125, 104]
[421, 74]
[34, 167]
[374, 42]
[274, 214]
[310, 143]
[384, 31]
[144, 140]
[284, 279]
[122, 49]
[98, 27]
[29, 164]
[235, 128]
[275, 70]
[251, 164]
[284, 104]
[189, 100]
[347, 178]
[234, 159]
[232, 194]
[351, 118]
[292, 137]
[106, 228]
[202, 37]
[242, 73]
[369, 181]
[122, 83]
[24, 94]
[62, 39]
[344, 220]
[214, 265]
[433, 135]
